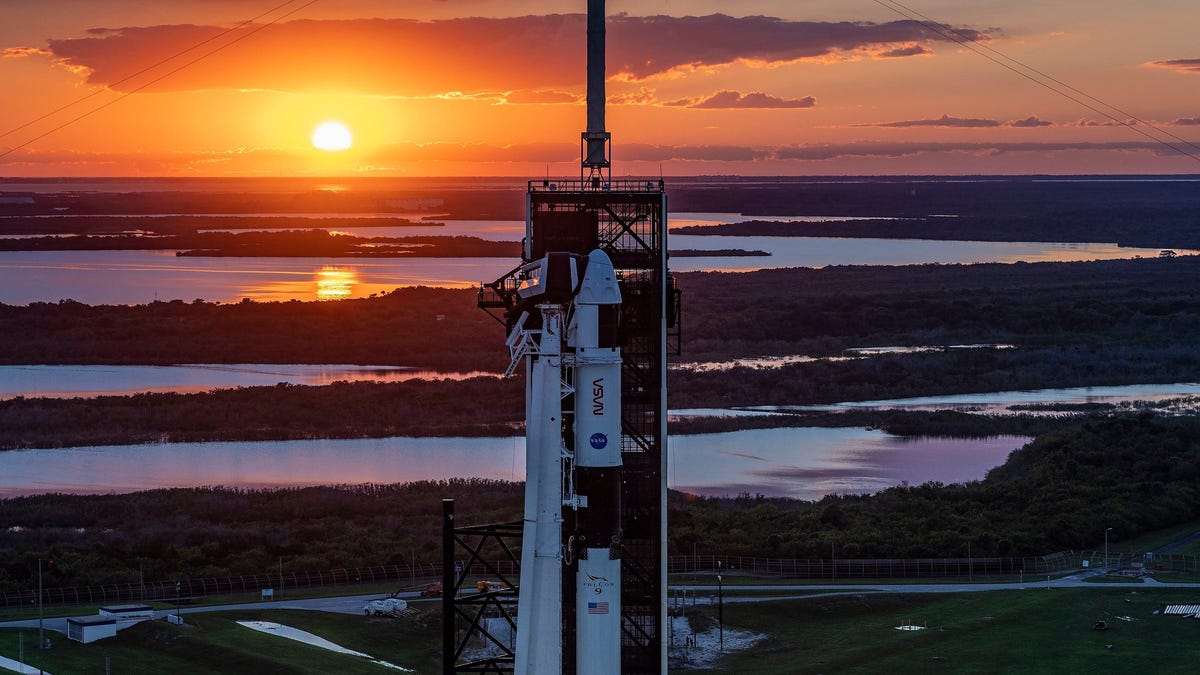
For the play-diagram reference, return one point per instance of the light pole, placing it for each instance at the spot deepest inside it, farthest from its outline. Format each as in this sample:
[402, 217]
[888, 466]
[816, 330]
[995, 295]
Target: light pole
[41, 637]
[970, 564]
[1106, 549]
[721, 607]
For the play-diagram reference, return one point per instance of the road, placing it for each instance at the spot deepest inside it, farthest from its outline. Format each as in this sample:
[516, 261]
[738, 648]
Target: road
[353, 604]
[1074, 581]
[346, 604]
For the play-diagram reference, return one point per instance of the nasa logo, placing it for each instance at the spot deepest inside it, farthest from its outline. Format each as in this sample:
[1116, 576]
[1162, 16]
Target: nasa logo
[598, 396]
[598, 440]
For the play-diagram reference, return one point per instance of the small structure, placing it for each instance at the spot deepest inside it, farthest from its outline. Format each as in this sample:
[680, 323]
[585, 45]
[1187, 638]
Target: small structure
[87, 629]
[128, 612]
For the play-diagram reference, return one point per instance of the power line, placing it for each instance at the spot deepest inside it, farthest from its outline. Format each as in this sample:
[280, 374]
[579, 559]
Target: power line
[1127, 115]
[969, 42]
[159, 78]
[147, 69]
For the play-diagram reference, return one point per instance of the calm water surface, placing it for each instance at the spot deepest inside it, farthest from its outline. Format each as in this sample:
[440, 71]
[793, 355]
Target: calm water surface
[130, 277]
[803, 463]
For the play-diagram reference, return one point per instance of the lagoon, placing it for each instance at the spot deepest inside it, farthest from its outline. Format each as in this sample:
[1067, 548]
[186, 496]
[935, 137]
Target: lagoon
[135, 277]
[805, 463]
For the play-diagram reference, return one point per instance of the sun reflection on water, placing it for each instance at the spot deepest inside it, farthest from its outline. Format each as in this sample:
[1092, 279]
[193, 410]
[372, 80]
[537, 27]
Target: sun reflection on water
[335, 283]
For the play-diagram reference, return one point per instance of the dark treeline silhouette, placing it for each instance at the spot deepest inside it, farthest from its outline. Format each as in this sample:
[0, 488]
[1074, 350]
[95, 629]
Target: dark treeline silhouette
[823, 311]
[726, 315]
[1139, 212]
[1075, 324]
[1143, 227]
[312, 243]
[1135, 474]
[186, 224]
[217, 531]
[427, 327]
[481, 406]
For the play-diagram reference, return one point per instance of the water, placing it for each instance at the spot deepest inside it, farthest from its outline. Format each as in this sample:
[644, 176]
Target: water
[809, 463]
[76, 380]
[134, 277]
[128, 468]
[797, 462]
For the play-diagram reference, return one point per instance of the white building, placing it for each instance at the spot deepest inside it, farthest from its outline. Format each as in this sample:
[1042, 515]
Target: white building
[87, 629]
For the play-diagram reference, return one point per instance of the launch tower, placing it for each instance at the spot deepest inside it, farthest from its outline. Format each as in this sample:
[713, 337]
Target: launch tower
[575, 227]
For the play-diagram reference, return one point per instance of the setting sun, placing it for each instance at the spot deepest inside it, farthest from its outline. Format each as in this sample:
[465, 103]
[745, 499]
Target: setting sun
[331, 136]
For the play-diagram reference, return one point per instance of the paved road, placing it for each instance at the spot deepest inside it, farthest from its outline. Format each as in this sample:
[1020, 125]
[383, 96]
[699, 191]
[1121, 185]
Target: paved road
[353, 604]
[347, 604]
[1074, 581]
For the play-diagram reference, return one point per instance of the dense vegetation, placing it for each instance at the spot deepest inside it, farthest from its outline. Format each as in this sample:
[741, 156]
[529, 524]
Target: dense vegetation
[726, 315]
[1075, 324]
[1134, 474]
[1059, 492]
[474, 407]
[481, 406]
[212, 531]
[410, 326]
[1157, 214]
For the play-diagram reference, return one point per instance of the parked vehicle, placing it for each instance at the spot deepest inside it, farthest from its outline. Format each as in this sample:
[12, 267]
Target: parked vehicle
[385, 607]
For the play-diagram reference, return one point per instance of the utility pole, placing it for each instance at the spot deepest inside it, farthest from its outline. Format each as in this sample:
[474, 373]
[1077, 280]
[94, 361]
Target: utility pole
[970, 563]
[281, 576]
[41, 635]
[1106, 549]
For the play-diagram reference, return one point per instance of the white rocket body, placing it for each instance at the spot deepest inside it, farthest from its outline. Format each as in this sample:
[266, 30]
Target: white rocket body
[586, 290]
[539, 606]
[597, 469]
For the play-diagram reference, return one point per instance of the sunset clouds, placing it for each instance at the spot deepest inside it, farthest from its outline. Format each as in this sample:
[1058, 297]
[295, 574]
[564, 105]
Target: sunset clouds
[478, 87]
[1181, 65]
[469, 54]
[733, 99]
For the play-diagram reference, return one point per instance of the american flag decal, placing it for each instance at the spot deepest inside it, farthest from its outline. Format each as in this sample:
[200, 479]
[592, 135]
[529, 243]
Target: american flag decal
[597, 608]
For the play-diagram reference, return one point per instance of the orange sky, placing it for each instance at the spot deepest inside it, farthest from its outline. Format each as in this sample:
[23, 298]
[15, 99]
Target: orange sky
[484, 87]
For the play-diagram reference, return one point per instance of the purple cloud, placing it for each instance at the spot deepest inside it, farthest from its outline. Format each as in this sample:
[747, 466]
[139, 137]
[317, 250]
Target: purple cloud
[416, 58]
[1187, 122]
[900, 52]
[733, 99]
[1181, 65]
[943, 121]
[1029, 122]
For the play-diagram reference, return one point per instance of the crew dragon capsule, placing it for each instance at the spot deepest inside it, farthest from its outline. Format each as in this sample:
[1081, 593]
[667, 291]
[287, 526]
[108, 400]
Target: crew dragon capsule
[567, 333]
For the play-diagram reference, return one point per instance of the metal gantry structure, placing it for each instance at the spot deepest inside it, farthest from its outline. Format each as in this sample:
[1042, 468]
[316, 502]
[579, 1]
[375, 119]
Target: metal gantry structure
[592, 218]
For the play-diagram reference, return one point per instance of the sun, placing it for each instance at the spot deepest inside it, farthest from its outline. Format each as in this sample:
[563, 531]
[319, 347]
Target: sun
[331, 136]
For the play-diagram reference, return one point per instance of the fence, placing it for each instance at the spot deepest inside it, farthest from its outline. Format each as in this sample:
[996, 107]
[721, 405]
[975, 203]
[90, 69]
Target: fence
[188, 589]
[868, 568]
[791, 568]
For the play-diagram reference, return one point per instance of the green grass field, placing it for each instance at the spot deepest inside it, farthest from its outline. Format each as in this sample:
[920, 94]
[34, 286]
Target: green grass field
[1012, 631]
[1030, 631]
[215, 643]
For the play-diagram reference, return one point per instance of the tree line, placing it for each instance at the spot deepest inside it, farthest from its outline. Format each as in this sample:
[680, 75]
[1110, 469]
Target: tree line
[1135, 474]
